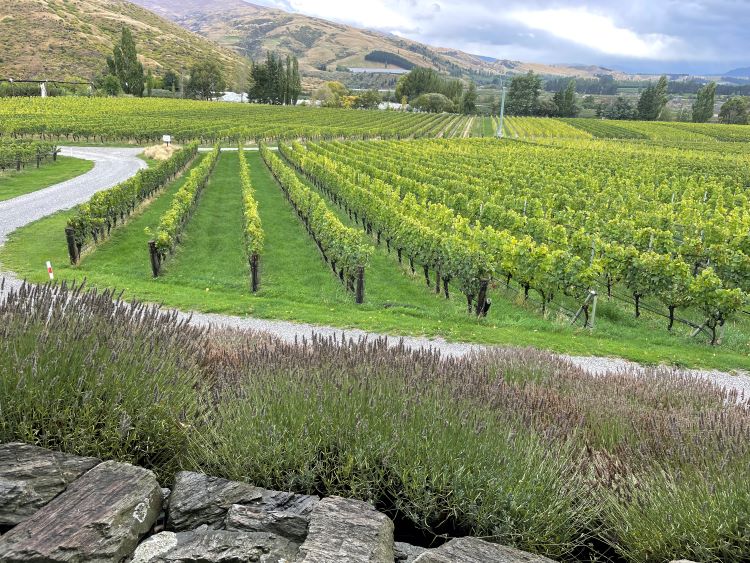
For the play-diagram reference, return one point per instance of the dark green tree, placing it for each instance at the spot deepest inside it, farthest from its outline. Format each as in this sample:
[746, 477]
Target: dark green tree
[416, 82]
[125, 66]
[434, 102]
[469, 99]
[565, 100]
[523, 94]
[206, 81]
[734, 111]
[171, 81]
[653, 100]
[620, 108]
[368, 100]
[703, 108]
[274, 81]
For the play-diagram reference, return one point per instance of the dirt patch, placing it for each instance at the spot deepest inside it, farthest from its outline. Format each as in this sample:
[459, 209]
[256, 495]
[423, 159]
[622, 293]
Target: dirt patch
[160, 152]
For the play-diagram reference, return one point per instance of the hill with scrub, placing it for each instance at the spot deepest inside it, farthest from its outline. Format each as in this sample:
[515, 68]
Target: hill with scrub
[325, 47]
[69, 39]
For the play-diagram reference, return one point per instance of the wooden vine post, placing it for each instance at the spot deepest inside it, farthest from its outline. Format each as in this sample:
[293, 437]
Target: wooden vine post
[359, 294]
[155, 258]
[254, 272]
[70, 236]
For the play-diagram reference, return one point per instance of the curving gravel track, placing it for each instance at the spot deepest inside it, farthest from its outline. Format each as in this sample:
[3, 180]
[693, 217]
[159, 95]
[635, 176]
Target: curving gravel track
[113, 165]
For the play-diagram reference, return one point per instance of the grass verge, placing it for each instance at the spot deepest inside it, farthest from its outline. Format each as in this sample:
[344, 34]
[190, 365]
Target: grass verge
[14, 184]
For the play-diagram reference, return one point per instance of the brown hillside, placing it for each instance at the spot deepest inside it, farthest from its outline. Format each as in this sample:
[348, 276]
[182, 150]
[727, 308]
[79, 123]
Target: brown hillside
[69, 39]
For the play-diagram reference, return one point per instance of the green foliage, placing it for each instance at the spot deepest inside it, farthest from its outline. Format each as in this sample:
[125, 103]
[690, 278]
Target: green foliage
[342, 245]
[425, 81]
[433, 103]
[368, 100]
[653, 100]
[206, 81]
[565, 101]
[469, 99]
[110, 85]
[717, 302]
[331, 94]
[620, 108]
[387, 58]
[96, 218]
[146, 120]
[703, 107]
[253, 230]
[735, 111]
[523, 94]
[274, 81]
[173, 220]
[18, 153]
[124, 64]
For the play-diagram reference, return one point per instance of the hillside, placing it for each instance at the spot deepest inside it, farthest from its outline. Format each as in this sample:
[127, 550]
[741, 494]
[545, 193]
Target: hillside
[69, 39]
[319, 44]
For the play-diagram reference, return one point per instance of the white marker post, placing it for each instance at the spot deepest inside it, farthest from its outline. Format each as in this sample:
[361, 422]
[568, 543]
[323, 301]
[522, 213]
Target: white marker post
[167, 139]
[49, 270]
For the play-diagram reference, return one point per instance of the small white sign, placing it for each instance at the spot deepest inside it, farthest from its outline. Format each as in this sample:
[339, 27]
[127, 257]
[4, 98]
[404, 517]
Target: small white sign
[167, 138]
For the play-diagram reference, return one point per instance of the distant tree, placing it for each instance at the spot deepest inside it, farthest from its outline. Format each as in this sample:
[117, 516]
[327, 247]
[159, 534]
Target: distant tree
[653, 100]
[734, 111]
[565, 100]
[171, 81]
[620, 108]
[434, 102]
[703, 108]
[469, 99]
[426, 80]
[125, 66]
[110, 85]
[149, 83]
[206, 81]
[368, 100]
[416, 82]
[274, 81]
[331, 95]
[296, 85]
[523, 94]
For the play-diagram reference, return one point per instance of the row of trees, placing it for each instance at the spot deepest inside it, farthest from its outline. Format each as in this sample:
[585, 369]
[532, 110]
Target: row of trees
[336, 95]
[275, 81]
[125, 73]
[524, 98]
[427, 90]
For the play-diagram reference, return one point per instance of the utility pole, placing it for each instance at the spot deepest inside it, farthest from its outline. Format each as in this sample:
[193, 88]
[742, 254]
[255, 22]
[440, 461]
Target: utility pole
[502, 113]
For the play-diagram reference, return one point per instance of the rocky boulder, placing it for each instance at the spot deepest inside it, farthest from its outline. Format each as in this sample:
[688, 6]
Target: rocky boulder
[198, 500]
[473, 550]
[285, 514]
[347, 530]
[215, 546]
[30, 477]
[98, 518]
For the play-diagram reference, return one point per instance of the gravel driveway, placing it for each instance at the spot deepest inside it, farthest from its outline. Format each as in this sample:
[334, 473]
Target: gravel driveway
[113, 165]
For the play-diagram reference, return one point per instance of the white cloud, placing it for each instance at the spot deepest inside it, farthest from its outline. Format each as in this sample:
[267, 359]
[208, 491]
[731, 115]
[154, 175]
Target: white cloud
[599, 33]
[377, 15]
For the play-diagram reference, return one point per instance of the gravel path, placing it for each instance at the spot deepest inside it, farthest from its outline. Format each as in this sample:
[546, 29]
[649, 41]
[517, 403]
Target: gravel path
[115, 165]
[111, 167]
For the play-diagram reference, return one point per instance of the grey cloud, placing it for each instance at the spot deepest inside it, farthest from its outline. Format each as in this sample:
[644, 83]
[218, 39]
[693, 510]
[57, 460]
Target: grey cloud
[712, 34]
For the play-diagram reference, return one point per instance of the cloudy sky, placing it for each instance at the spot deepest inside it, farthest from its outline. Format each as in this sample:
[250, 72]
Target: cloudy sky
[693, 36]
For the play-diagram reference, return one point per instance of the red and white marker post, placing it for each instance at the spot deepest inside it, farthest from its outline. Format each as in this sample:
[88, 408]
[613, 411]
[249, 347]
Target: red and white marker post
[49, 270]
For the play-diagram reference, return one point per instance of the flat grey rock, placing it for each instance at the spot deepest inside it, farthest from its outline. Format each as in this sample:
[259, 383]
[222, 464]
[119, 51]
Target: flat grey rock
[98, 519]
[31, 476]
[215, 546]
[285, 514]
[473, 550]
[347, 530]
[198, 499]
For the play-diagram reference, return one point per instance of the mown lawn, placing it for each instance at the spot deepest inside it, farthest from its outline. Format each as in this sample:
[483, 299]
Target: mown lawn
[209, 273]
[31, 179]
